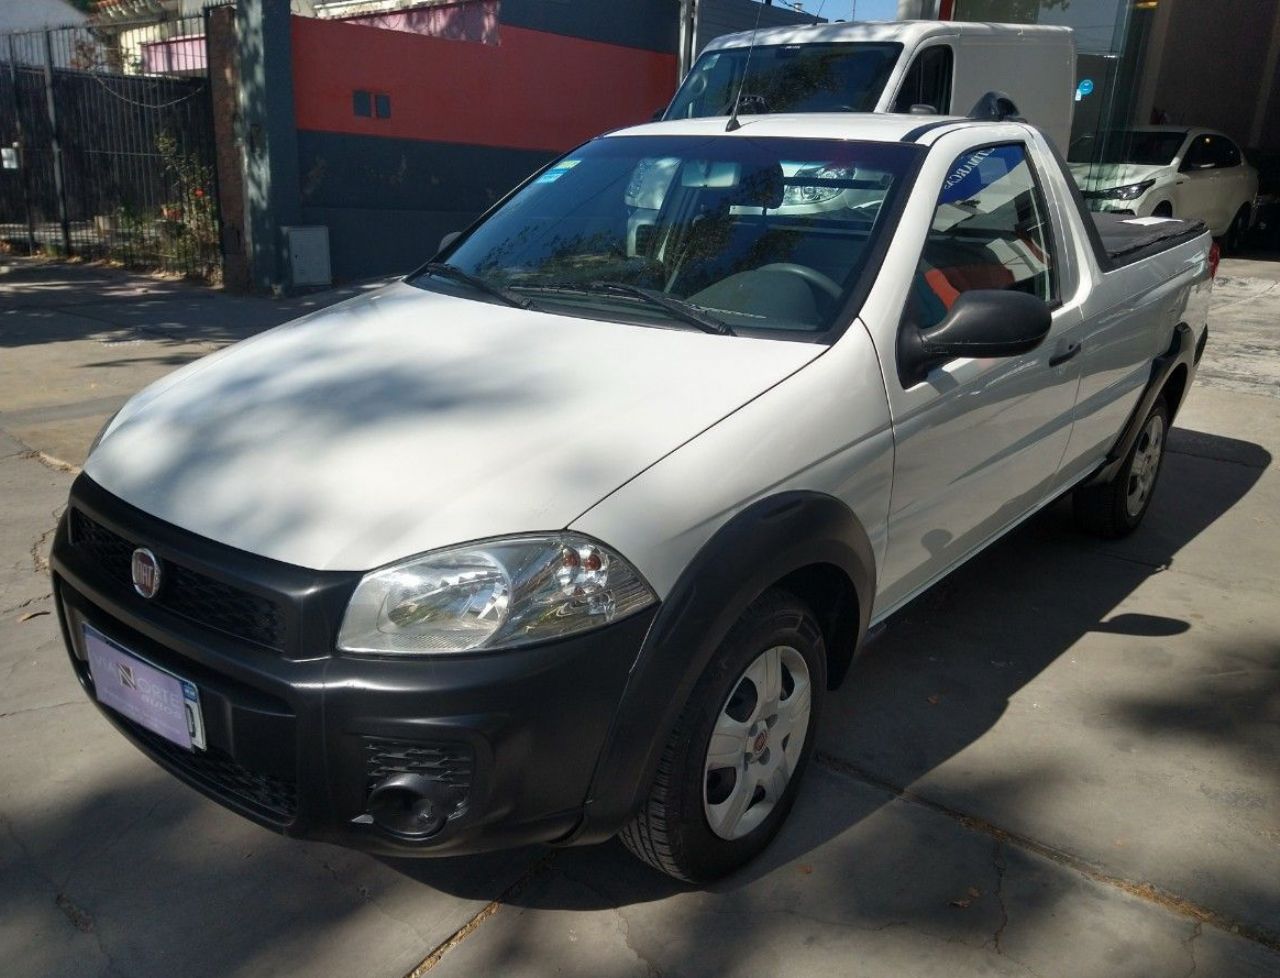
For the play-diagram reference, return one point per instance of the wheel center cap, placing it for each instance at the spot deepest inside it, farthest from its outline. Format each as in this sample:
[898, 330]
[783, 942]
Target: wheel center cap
[760, 742]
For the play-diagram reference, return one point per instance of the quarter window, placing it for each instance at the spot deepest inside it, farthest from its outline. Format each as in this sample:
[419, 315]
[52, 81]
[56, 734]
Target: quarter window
[989, 231]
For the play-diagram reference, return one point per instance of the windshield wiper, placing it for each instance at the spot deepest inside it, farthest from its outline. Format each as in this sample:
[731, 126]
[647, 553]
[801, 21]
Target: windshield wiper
[445, 270]
[686, 311]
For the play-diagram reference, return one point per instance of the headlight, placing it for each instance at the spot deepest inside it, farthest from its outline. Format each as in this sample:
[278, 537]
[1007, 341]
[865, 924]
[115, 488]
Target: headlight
[1131, 191]
[492, 595]
[815, 194]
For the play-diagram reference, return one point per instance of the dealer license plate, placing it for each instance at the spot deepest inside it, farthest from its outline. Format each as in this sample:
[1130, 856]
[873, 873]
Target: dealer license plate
[156, 699]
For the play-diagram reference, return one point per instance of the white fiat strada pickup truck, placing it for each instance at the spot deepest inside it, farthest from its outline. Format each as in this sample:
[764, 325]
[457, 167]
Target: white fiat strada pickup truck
[571, 532]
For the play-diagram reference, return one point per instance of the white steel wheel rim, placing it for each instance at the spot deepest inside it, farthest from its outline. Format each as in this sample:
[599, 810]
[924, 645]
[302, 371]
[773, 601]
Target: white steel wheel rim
[1146, 465]
[756, 743]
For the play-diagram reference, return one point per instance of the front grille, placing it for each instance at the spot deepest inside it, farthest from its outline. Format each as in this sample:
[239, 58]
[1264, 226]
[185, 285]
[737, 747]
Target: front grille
[449, 765]
[271, 798]
[112, 551]
[183, 591]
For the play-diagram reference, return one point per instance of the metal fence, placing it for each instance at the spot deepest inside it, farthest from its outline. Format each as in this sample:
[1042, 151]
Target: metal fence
[108, 145]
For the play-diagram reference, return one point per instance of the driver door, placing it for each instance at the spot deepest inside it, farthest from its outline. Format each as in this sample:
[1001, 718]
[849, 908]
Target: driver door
[978, 441]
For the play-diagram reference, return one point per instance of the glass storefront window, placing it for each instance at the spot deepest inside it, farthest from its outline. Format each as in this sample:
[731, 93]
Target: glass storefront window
[1111, 39]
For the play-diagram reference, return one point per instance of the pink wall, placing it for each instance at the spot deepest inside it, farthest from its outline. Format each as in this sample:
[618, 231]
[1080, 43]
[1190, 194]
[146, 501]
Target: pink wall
[178, 54]
[462, 20]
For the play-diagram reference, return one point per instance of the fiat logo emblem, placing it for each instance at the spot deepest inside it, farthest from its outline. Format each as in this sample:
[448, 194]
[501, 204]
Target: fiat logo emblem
[145, 568]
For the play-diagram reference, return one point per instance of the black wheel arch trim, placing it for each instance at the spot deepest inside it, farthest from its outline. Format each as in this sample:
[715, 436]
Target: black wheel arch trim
[1183, 352]
[764, 543]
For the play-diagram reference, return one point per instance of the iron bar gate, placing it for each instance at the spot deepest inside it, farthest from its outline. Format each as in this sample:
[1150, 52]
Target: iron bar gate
[107, 132]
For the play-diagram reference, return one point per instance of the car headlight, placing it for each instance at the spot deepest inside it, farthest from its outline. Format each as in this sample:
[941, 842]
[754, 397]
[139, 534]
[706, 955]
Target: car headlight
[815, 194]
[491, 595]
[1130, 191]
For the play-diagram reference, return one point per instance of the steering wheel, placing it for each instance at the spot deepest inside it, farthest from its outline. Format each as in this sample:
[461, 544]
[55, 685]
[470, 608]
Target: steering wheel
[810, 275]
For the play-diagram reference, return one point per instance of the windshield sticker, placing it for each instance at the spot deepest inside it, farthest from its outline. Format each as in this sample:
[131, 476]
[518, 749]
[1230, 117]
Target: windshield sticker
[557, 171]
[977, 170]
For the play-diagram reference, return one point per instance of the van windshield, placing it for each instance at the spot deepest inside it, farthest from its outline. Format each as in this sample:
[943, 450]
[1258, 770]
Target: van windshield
[787, 78]
[759, 235]
[1144, 147]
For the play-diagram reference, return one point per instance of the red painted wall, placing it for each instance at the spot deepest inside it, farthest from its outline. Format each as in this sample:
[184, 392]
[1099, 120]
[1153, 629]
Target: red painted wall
[532, 90]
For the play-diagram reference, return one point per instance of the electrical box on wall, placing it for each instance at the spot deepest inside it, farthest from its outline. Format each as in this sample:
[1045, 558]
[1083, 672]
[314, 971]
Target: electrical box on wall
[308, 249]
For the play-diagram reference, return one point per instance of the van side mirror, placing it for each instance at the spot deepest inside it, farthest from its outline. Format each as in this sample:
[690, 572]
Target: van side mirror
[981, 323]
[448, 239]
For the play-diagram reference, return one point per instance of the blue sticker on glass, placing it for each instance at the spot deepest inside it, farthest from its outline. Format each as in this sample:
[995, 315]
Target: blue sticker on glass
[977, 170]
[557, 171]
[1085, 87]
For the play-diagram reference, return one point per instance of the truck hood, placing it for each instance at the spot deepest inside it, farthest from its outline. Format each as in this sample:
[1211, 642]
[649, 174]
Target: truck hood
[1104, 176]
[405, 421]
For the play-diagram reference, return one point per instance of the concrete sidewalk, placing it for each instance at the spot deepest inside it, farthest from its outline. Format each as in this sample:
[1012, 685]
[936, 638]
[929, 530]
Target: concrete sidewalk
[78, 340]
[1063, 761]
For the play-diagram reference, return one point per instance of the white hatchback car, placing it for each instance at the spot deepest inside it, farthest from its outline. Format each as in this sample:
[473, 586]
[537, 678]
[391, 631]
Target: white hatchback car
[1169, 171]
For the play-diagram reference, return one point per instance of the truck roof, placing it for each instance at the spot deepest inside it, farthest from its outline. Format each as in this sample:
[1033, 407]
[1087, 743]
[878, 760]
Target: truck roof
[882, 127]
[904, 31]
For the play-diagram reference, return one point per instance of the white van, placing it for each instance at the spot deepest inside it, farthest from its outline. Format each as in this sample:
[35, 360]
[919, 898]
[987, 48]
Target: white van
[889, 66]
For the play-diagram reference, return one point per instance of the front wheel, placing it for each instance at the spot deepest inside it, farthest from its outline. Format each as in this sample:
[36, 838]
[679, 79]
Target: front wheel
[730, 770]
[1114, 509]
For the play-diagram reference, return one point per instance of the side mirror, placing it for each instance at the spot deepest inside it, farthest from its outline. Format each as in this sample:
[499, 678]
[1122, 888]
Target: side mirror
[448, 239]
[981, 323]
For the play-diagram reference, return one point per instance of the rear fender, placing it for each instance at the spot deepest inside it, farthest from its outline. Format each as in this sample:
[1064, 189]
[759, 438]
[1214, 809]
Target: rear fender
[1182, 353]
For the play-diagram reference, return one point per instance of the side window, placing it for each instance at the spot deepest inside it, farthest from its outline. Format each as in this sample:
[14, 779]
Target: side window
[1201, 154]
[928, 81]
[1226, 153]
[990, 231]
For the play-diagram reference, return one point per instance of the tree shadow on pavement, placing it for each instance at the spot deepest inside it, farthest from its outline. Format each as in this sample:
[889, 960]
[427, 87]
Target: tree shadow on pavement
[110, 867]
[936, 683]
[49, 302]
[858, 873]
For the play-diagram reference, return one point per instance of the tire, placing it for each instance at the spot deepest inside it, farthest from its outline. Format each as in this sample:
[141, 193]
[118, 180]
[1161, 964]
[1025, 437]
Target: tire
[687, 827]
[1233, 240]
[1114, 509]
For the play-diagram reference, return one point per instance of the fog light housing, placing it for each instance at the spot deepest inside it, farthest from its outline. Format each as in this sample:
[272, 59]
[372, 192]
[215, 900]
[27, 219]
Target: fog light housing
[408, 805]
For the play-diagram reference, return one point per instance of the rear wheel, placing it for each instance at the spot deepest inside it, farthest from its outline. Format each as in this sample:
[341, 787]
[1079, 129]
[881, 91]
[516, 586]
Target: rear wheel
[730, 771]
[1233, 240]
[1114, 509]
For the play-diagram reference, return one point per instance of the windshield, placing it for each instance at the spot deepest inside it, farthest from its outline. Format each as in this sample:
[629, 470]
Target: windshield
[787, 78]
[1128, 146]
[752, 234]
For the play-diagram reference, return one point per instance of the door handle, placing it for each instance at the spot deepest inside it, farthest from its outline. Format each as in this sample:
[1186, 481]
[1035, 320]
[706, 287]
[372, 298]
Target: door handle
[1060, 358]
